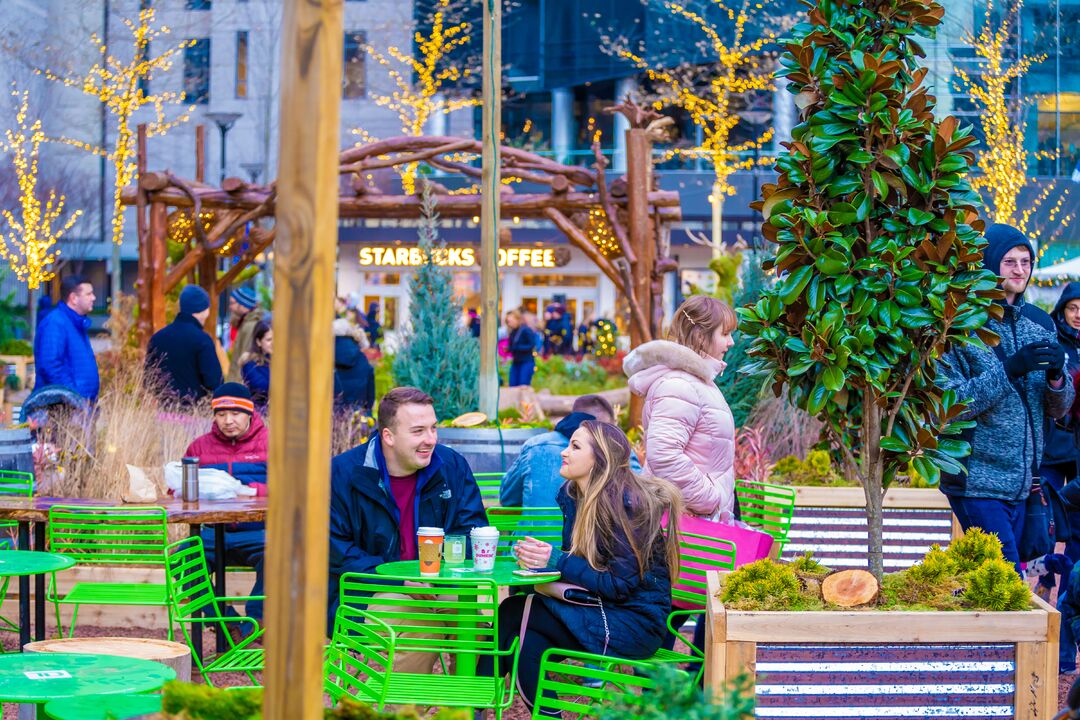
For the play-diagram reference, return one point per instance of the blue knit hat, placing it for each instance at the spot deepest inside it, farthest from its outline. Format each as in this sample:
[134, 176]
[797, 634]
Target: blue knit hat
[244, 297]
[193, 299]
[1000, 239]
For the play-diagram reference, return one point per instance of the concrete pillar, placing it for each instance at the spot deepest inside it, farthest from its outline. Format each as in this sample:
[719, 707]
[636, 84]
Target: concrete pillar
[562, 123]
[623, 87]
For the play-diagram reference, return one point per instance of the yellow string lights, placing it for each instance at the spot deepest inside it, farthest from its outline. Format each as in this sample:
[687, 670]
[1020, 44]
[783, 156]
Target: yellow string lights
[1003, 160]
[29, 246]
[736, 71]
[119, 86]
[419, 80]
[598, 230]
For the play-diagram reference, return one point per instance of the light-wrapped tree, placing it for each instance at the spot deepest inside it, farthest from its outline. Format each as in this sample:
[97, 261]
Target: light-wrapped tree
[878, 248]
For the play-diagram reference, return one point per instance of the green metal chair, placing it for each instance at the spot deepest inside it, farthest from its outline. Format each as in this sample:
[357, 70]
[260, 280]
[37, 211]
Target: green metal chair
[698, 554]
[542, 523]
[767, 507]
[18, 484]
[451, 618]
[192, 600]
[109, 536]
[489, 483]
[566, 682]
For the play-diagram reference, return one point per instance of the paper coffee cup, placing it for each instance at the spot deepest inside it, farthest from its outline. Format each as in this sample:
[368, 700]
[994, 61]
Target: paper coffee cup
[429, 542]
[485, 543]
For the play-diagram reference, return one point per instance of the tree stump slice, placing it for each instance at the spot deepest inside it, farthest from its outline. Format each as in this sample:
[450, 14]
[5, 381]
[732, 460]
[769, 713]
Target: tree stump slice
[850, 588]
[170, 654]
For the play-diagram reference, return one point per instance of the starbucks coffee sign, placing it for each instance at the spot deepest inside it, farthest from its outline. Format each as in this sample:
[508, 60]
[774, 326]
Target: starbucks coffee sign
[465, 257]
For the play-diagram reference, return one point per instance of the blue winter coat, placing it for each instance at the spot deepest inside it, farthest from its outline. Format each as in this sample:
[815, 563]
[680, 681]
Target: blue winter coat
[187, 358]
[354, 378]
[523, 342]
[364, 519]
[633, 623]
[257, 378]
[62, 353]
[1061, 440]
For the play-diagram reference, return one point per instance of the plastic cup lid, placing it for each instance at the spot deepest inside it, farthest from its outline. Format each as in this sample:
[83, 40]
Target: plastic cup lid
[487, 531]
[430, 531]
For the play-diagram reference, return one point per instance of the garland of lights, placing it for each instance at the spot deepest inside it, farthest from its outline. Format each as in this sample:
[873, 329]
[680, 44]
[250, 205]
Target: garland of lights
[29, 246]
[119, 87]
[599, 231]
[604, 336]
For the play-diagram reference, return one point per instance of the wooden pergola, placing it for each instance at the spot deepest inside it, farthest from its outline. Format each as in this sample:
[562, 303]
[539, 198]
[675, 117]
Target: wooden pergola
[634, 208]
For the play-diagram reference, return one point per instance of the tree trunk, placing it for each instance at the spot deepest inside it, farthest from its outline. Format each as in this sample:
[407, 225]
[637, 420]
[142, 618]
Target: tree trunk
[871, 476]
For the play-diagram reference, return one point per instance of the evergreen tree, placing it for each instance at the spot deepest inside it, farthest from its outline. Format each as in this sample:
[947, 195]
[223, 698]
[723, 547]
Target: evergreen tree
[437, 355]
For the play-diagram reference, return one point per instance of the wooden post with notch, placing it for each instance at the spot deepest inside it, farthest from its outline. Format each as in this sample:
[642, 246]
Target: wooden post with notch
[491, 180]
[638, 182]
[301, 376]
[142, 233]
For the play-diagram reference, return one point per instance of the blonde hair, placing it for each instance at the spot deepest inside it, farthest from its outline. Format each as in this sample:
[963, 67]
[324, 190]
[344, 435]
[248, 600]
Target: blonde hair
[697, 320]
[602, 507]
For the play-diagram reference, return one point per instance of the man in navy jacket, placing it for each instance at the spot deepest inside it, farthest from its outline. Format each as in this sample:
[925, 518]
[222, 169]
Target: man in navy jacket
[398, 481]
[184, 353]
[62, 352]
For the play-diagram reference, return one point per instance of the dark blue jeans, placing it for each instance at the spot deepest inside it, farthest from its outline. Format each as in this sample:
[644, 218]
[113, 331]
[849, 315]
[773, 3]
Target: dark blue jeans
[1004, 519]
[242, 547]
[521, 372]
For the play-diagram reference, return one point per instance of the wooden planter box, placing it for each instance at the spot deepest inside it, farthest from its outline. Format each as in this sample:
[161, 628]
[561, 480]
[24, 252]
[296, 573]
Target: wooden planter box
[830, 522]
[865, 663]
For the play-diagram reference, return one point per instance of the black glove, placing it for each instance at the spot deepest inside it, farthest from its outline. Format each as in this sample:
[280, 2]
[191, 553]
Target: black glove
[1057, 363]
[1032, 357]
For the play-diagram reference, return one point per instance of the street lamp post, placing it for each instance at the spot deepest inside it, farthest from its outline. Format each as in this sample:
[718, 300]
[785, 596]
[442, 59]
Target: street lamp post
[254, 170]
[224, 121]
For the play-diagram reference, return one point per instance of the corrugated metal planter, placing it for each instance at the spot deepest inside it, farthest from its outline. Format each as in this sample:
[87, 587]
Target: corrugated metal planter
[878, 664]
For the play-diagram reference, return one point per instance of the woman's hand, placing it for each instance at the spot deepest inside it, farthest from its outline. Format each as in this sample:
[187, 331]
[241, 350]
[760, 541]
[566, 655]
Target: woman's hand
[532, 553]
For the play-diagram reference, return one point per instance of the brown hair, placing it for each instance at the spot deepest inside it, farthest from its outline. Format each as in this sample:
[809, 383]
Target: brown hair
[391, 401]
[593, 405]
[697, 319]
[602, 507]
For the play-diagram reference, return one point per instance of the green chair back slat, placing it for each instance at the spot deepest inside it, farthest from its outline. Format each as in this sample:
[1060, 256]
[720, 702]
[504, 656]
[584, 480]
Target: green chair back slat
[767, 507]
[18, 484]
[699, 554]
[567, 681]
[542, 523]
[188, 578]
[489, 483]
[472, 605]
[360, 657]
[109, 535]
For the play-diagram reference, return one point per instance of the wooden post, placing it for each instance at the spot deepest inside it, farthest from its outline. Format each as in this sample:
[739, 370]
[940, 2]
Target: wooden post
[208, 262]
[159, 251]
[200, 153]
[142, 285]
[491, 183]
[301, 377]
[638, 182]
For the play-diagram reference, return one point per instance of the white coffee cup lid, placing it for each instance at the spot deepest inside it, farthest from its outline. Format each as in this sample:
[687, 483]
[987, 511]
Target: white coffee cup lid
[430, 531]
[485, 531]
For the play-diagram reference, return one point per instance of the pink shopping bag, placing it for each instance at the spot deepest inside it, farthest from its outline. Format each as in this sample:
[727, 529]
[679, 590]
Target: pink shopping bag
[698, 554]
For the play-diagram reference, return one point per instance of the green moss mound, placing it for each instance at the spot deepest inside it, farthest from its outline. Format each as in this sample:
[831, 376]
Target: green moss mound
[995, 585]
[763, 585]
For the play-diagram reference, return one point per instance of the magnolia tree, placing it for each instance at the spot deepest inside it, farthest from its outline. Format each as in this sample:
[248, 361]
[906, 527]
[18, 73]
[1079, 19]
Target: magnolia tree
[878, 248]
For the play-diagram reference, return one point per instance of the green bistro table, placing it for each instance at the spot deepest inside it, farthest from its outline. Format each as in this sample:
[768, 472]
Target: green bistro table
[103, 707]
[40, 678]
[23, 563]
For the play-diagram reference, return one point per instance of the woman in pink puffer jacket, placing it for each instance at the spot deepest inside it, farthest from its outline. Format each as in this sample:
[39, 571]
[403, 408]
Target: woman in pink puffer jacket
[689, 429]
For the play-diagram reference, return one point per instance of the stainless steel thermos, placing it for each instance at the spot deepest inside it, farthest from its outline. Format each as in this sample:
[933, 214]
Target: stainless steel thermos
[189, 490]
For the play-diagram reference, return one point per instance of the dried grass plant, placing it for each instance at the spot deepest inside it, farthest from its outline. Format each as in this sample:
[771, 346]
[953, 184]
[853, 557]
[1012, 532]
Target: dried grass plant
[784, 429]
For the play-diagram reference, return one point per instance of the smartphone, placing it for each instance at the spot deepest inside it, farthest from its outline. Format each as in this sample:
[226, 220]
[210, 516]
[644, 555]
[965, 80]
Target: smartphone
[536, 572]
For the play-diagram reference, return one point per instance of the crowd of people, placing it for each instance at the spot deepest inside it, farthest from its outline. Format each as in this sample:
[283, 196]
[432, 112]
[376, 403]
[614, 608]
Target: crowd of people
[523, 338]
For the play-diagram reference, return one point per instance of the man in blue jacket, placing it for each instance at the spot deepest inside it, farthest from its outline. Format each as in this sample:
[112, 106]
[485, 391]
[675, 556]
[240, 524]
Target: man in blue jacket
[184, 353]
[383, 490]
[62, 352]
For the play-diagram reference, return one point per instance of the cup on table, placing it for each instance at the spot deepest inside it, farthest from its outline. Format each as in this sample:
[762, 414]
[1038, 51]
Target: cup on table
[454, 550]
[485, 543]
[429, 541]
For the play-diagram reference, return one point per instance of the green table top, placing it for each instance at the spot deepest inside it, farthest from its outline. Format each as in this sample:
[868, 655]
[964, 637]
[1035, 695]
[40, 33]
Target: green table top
[103, 707]
[39, 678]
[503, 574]
[31, 562]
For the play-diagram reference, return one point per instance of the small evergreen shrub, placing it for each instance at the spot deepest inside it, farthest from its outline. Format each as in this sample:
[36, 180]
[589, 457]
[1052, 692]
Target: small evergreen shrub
[995, 585]
[762, 585]
[676, 698]
[805, 564]
[817, 469]
[16, 346]
[973, 548]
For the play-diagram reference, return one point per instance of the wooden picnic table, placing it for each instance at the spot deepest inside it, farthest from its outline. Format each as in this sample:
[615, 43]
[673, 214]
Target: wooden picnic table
[217, 513]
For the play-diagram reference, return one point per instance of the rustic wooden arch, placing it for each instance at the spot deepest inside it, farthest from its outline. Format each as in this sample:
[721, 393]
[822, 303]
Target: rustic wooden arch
[636, 210]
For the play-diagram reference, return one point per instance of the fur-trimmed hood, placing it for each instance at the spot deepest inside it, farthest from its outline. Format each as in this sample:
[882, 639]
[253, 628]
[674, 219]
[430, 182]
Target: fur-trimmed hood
[662, 356]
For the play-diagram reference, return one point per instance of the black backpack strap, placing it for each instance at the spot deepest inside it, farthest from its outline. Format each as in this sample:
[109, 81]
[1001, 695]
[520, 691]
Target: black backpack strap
[1037, 315]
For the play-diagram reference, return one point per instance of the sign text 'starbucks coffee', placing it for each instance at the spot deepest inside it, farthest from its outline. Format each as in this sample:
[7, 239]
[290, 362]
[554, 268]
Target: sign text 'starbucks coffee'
[458, 257]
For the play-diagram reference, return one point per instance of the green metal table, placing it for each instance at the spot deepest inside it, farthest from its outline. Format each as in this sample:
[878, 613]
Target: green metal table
[103, 707]
[503, 574]
[23, 563]
[39, 678]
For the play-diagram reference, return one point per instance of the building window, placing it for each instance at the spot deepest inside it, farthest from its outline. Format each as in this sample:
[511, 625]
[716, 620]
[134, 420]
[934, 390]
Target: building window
[198, 4]
[241, 63]
[144, 80]
[197, 72]
[354, 75]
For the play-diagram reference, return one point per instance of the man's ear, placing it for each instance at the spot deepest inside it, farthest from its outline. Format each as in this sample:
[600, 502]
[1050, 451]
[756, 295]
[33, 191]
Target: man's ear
[386, 436]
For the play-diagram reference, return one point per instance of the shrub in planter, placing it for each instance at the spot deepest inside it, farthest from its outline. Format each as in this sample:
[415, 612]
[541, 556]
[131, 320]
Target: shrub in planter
[15, 346]
[677, 698]
[817, 469]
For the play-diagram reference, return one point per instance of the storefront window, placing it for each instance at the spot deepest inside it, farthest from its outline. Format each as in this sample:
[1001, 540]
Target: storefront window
[387, 310]
[372, 278]
[589, 281]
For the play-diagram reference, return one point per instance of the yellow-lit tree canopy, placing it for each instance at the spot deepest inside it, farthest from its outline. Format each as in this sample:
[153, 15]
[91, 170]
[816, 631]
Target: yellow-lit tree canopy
[709, 93]
[1002, 160]
[119, 84]
[422, 81]
[33, 229]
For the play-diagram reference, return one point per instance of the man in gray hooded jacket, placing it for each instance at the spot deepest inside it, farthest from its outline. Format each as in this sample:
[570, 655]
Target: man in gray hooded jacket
[1010, 390]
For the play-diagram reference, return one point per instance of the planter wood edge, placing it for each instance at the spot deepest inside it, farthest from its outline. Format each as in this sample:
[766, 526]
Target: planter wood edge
[853, 497]
[731, 639]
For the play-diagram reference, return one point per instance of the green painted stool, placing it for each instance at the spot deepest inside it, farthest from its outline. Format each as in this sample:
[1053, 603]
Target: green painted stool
[103, 707]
